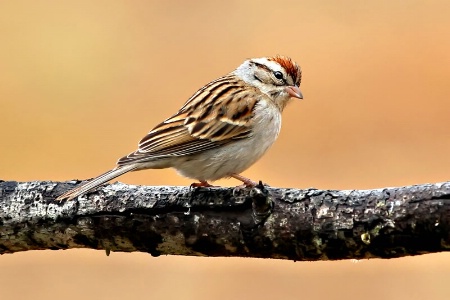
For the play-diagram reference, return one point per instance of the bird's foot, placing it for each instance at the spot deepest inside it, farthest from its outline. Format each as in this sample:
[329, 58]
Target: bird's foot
[202, 183]
[246, 182]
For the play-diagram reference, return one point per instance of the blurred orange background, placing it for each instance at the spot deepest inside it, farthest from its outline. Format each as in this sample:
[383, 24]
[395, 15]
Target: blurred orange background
[82, 81]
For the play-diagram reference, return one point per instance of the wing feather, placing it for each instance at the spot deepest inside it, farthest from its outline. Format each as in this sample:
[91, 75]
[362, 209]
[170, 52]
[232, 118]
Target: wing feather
[219, 113]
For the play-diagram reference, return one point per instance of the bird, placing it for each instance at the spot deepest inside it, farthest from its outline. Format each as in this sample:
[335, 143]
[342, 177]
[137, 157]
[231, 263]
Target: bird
[221, 130]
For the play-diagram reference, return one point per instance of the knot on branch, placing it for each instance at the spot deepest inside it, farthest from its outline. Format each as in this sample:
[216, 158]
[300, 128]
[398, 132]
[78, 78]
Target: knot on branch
[261, 203]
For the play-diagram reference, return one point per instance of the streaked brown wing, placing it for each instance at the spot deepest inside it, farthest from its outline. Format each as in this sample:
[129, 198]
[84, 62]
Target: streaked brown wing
[219, 113]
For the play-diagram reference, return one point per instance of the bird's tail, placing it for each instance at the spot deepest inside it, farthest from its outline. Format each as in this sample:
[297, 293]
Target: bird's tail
[95, 182]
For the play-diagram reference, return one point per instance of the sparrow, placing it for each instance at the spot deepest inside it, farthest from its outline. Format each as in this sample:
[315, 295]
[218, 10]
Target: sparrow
[223, 129]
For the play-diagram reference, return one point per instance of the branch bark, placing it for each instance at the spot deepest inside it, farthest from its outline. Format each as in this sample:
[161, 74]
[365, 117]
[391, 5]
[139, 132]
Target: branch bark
[261, 222]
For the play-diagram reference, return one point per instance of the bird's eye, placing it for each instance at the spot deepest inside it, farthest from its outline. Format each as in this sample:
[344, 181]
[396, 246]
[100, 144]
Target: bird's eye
[278, 75]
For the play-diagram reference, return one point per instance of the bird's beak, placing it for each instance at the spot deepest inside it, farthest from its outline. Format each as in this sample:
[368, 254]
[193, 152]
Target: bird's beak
[294, 91]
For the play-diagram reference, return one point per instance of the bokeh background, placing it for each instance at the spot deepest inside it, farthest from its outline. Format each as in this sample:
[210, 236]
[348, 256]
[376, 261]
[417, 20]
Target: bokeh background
[82, 81]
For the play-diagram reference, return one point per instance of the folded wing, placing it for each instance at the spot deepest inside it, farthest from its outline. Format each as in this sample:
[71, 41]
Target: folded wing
[219, 113]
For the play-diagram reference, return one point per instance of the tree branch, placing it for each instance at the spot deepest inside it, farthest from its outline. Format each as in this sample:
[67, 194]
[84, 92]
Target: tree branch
[261, 222]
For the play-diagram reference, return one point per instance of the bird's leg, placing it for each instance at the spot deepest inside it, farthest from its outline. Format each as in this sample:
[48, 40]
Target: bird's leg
[247, 182]
[202, 183]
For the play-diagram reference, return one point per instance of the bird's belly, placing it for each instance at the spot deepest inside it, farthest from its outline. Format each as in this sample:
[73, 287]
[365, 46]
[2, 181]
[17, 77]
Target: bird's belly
[232, 158]
[218, 163]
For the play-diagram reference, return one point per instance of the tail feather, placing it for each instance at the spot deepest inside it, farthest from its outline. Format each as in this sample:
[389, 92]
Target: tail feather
[95, 182]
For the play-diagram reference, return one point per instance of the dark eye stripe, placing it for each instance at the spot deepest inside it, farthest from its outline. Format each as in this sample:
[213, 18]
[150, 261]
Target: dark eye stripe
[267, 69]
[263, 67]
